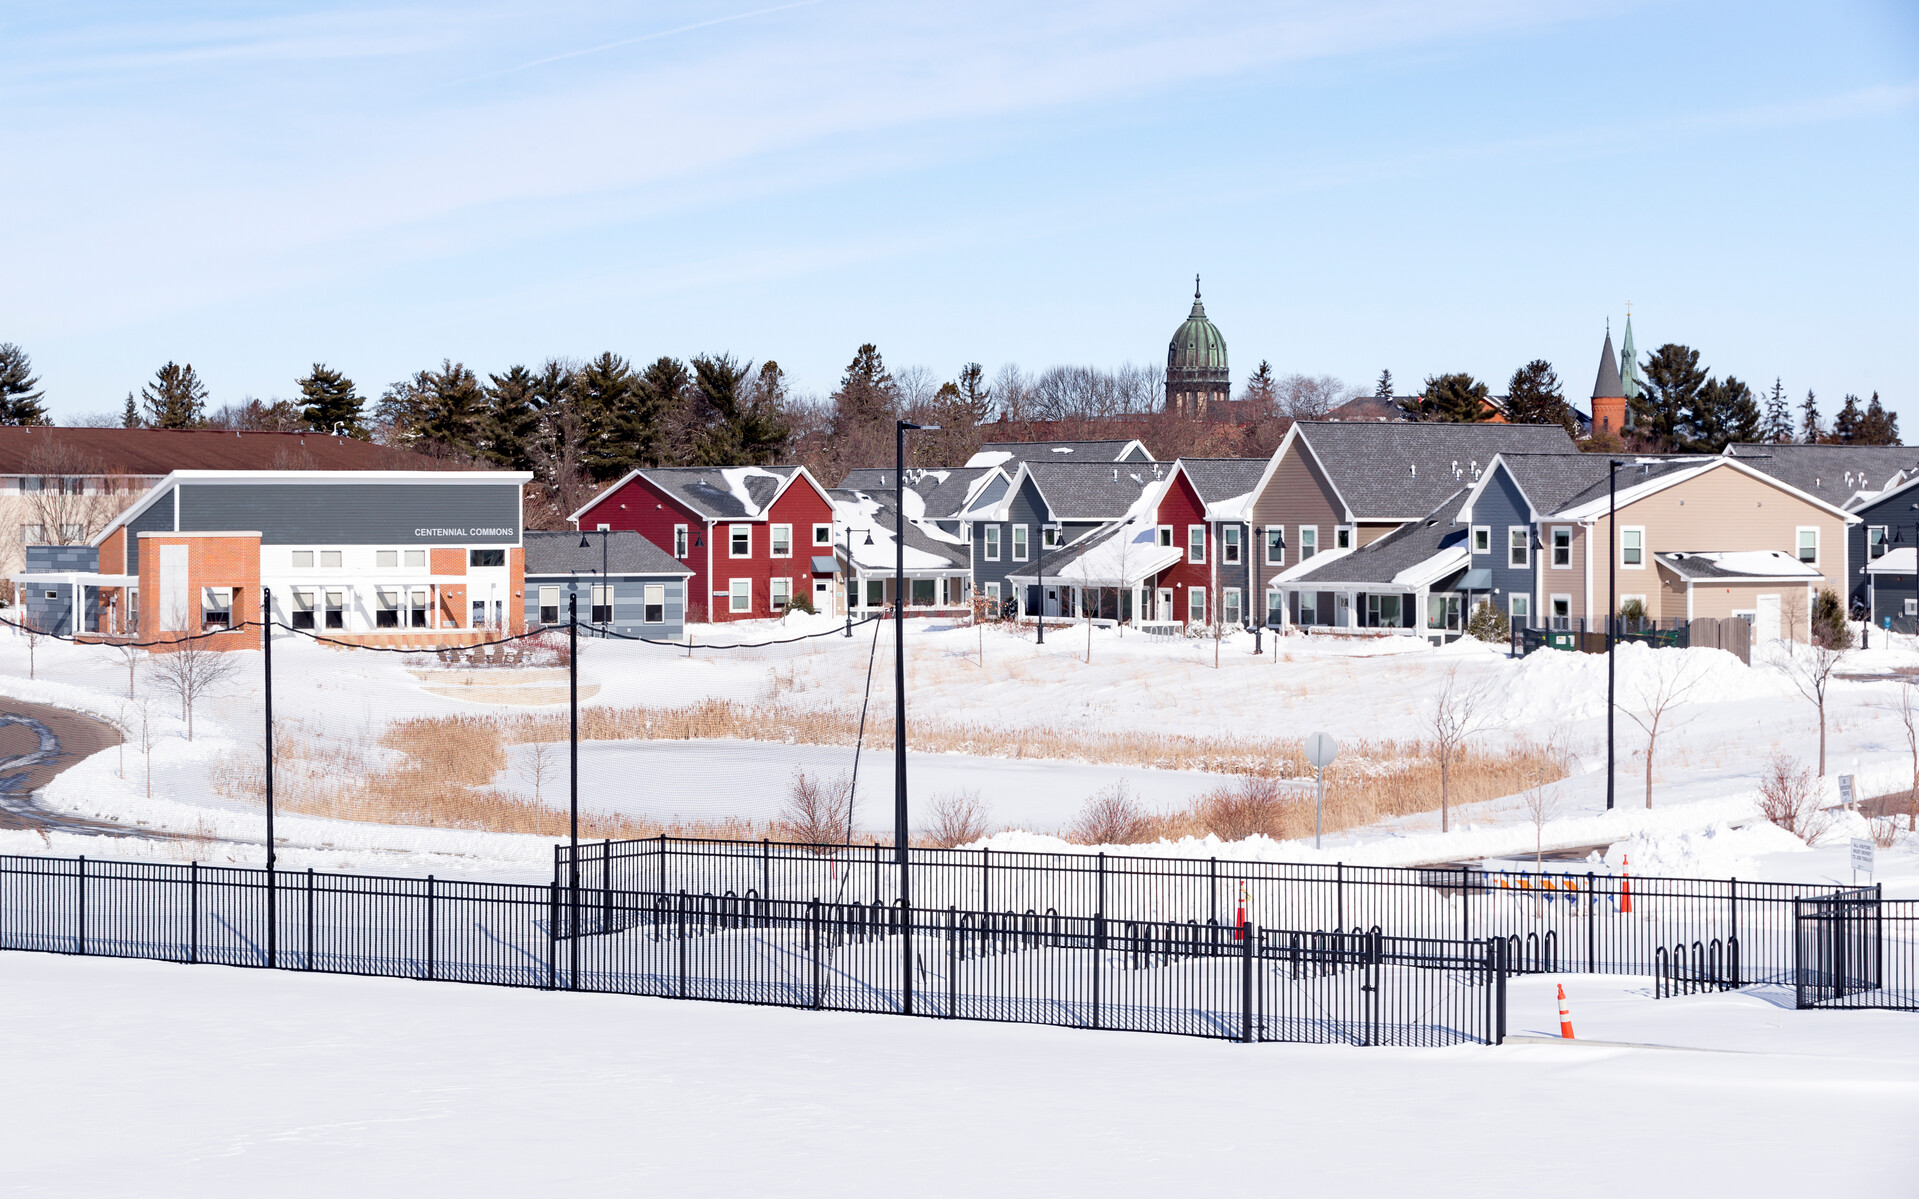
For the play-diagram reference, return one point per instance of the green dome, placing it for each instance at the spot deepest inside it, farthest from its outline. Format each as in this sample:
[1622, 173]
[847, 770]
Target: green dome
[1198, 348]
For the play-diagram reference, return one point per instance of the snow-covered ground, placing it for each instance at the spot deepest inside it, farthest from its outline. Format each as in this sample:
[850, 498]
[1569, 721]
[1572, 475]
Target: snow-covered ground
[153, 1079]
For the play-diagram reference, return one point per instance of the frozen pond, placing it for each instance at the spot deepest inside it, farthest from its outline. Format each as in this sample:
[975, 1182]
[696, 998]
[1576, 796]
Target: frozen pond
[707, 780]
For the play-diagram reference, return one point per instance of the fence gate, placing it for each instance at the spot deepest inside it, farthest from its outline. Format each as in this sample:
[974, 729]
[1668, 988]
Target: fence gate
[1838, 947]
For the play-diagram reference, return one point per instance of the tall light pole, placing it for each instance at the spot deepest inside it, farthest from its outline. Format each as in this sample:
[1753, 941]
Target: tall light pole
[899, 706]
[1045, 527]
[605, 587]
[1612, 603]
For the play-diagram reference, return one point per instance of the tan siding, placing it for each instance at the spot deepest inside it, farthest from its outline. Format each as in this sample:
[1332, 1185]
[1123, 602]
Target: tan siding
[1722, 600]
[1297, 494]
[1371, 533]
[1570, 580]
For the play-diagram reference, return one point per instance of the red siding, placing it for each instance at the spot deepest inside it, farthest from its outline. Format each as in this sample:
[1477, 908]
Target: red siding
[1181, 507]
[645, 509]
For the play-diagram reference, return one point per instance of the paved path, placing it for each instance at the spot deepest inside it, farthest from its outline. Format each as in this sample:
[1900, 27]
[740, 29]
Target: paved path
[37, 742]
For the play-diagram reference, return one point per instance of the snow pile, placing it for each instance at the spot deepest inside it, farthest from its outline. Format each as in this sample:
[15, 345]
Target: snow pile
[1561, 685]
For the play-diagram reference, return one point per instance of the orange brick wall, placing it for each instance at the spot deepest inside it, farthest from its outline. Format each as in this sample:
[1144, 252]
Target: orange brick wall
[211, 562]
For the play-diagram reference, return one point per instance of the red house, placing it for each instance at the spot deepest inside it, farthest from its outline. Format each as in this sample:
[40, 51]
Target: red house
[754, 536]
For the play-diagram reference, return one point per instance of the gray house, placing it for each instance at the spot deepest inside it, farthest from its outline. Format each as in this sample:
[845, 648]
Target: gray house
[623, 583]
[1419, 580]
[54, 574]
[1046, 506]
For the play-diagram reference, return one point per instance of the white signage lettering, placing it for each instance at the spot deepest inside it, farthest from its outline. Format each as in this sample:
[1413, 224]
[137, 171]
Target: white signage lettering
[467, 533]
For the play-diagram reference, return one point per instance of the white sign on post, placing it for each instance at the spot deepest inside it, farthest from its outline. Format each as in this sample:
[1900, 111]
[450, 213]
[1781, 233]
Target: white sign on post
[1861, 856]
[1845, 790]
[1321, 749]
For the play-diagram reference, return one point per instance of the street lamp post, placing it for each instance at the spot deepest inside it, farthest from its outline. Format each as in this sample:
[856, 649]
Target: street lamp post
[1044, 528]
[605, 587]
[1612, 603]
[899, 706]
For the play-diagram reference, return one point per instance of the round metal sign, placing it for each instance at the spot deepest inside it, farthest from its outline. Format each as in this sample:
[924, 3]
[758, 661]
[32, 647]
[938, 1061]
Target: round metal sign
[1321, 749]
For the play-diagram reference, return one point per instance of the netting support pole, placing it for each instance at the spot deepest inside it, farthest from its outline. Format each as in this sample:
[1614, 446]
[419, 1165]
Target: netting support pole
[573, 784]
[901, 851]
[266, 655]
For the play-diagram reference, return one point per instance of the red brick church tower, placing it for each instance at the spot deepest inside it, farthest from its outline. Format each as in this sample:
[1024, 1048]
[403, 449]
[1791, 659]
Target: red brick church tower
[1616, 387]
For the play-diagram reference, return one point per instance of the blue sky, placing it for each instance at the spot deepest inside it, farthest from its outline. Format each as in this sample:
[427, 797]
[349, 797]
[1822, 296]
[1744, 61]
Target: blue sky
[1367, 184]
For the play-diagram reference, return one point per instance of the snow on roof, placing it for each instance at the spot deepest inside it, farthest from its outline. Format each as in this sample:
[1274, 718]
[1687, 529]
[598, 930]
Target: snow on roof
[736, 477]
[1434, 568]
[868, 517]
[1120, 555]
[990, 458]
[1902, 561]
[1755, 564]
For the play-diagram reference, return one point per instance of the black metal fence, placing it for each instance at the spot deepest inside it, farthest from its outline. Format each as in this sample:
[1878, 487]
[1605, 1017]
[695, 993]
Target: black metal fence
[1239, 982]
[1857, 950]
[1734, 635]
[1588, 922]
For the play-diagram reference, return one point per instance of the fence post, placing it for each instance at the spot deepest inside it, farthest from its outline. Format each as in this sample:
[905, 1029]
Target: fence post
[1339, 896]
[193, 912]
[429, 928]
[680, 927]
[1099, 954]
[1465, 906]
[80, 940]
[1592, 925]
[952, 962]
[1732, 938]
[1246, 983]
[309, 953]
[813, 940]
[552, 930]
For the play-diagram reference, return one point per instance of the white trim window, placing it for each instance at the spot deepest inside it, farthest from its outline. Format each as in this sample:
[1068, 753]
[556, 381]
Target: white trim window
[739, 541]
[1875, 541]
[1519, 608]
[1229, 544]
[653, 599]
[991, 543]
[1275, 545]
[1562, 547]
[966, 532]
[1808, 543]
[1519, 546]
[1229, 607]
[1343, 537]
[600, 604]
[1482, 539]
[1275, 607]
[336, 610]
[1911, 606]
[1019, 543]
[1196, 605]
[680, 541]
[549, 604]
[1196, 543]
[1632, 547]
[1308, 541]
[302, 612]
[779, 594]
[1561, 607]
[1166, 537]
[216, 607]
[781, 541]
[822, 534]
[1049, 537]
[992, 598]
[739, 595]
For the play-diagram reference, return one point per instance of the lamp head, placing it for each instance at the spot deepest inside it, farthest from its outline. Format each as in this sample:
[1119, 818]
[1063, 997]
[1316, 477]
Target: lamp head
[584, 542]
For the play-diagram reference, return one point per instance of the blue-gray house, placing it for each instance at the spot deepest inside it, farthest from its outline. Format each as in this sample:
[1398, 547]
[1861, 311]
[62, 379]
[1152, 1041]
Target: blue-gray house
[623, 583]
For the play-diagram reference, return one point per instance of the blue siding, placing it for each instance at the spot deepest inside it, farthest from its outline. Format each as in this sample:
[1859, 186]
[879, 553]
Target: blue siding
[1888, 593]
[1026, 508]
[1502, 506]
[629, 602]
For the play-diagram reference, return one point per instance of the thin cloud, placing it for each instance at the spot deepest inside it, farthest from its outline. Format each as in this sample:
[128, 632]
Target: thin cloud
[644, 37]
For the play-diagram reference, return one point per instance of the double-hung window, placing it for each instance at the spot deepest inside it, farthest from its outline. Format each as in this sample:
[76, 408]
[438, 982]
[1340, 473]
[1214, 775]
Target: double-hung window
[1019, 543]
[1519, 543]
[779, 594]
[1632, 547]
[302, 612]
[1196, 543]
[1275, 546]
[991, 542]
[1196, 605]
[549, 605]
[1229, 544]
[1809, 546]
[1229, 607]
[1519, 608]
[1876, 541]
[386, 609]
[1562, 547]
[655, 603]
[679, 541]
[740, 541]
[421, 598]
[336, 609]
[602, 604]
[739, 595]
[782, 541]
[1308, 541]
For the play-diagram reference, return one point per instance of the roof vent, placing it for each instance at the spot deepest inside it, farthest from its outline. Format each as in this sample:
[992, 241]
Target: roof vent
[1062, 449]
[1415, 468]
[1116, 474]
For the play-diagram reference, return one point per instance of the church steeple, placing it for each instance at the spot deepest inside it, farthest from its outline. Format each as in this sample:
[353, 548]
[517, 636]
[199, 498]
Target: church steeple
[1196, 373]
[1611, 411]
[1633, 381]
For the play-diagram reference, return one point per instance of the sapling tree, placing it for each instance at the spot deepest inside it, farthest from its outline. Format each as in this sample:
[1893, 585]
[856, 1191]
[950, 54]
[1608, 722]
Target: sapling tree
[1905, 705]
[1460, 712]
[190, 670]
[1655, 694]
[1811, 667]
[1550, 764]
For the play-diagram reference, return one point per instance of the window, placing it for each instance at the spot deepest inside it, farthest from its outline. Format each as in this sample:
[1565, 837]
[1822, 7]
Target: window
[1343, 537]
[782, 541]
[602, 603]
[1275, 546]
[1049, 537]
[303, 559]
[1809, 546]
[966, 532]
[1308, 541]
[416, 559]
[302, 611]
[654, 598]
[1562, 547]
[1308, 612]
[336, 609]
[216, 607]
[1632, 547]
[486, 557]
[1019, 543]
[33, 534]
[1442, 613]
[1196, 605]
[72, 534]
[1562, 611]
[1876, 541]
[992, 543]
[386, 611]
[1382, 611]
[876, 593]
[1196, 543]
[386, 559]
[479, 613]
[679, 541]
[779, 594]
[1912, 607]
[549, 605]
[1275, 607]
[740, 540]
[739, 595]
[1166, 536]
[1229, 606]
[32, 483]
[1519, 546]
[421, 596]
[1229, 544]
[822, 534]
[922, 593]
[603, 527]
[992, 599]
[1482, 539]
[1519, 608]
[329, 559]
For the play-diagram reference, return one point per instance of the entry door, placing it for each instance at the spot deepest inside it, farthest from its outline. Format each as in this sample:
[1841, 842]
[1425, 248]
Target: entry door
[1052, 601]
[1766, 623]
[1342, 610]
[1165, 605]
[822, 595]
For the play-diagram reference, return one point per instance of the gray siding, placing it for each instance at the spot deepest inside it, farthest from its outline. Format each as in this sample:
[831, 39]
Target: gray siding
[1027, 508]
[1889, 593]
[629, 602]
[450, 513]
[157, 519]
[1501, 505]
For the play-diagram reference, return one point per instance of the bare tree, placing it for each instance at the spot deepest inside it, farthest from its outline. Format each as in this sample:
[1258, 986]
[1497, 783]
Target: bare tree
[1789, 799]
[818, 812]
[1674, 675]
[1811, 667]
[1906, 708]
[33, 629]
[1549, 765]
[537, 766]
[128, 652]
[959, 818]
[1460, 712]
[1311, 397]
[69, 494]
[190, 670]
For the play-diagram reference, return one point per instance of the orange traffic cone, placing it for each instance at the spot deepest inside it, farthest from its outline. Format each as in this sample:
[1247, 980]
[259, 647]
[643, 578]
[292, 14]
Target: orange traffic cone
[1565, 1017]
[1625, 884]
[1239, 921]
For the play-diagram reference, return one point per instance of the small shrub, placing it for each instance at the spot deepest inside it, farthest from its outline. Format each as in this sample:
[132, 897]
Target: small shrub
[1490, 624]
[818, 811]
[1252, 806]
[1829, 627]
[802, 602]
[1789, 798]
[959, 818]
[1885, 832]
[1111, 817]
[1632, 614]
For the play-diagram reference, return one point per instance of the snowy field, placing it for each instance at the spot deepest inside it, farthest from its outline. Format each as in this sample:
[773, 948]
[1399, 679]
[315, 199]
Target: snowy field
[157, 1079]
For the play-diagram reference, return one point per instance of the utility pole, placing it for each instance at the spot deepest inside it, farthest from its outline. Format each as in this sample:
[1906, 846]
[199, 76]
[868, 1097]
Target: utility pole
[1612, 604]
[900, 850]
[266, 652]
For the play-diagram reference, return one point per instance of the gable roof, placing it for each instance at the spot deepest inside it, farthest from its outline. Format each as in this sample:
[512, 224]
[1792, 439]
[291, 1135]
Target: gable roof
[1551, 482]
[24, 448]
[1093, 490]
[1834, 473]
[1124, 553]
[872, 514]
[324, 478]
[945, 491]
[626, 553]
[715, 492]
[1224, 484]
[1400, 470]
[1006, 453]
[1418, 553]
[1650, 475]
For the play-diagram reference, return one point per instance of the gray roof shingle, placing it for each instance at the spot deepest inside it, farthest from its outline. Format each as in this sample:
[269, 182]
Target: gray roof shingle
[1639, 468]
[1396, 470]
[1834, 473]
[1094, 490]
[627, 553]
[886, 517]
[1401, 549]
[1218, 479]
[945, 489]
[706, 490]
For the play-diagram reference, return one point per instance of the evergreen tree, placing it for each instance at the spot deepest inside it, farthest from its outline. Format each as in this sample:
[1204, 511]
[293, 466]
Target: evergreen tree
[865, 398]
[511, 425]
[438, 410]
[1810, 431]
[738, 419]
[130, 417]
[1722, 413]
[1673, 380]
[1777, 428]
[1456, 397]
[1879, 426]
[975, 397]
[176, 399]
[1534, 398]
[331, 402]
[1845, 425]
[1262, 389]
[1383, 390]
[20, 393]
[660, 396]
[618, 434]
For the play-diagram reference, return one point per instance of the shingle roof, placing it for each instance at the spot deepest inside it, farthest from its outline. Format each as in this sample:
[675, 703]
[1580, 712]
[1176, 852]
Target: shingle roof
[886, 517]
[1397, 470]
[25, 449]
[1057, 451]
[1607, 384]
[627, 553]
[1747, 564]
[1640, 468]
[722, 493]
[1094, 490]
[1218, 479]
[945, 490]
[1834, 473]
[1549, 480]
[1403, 548]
